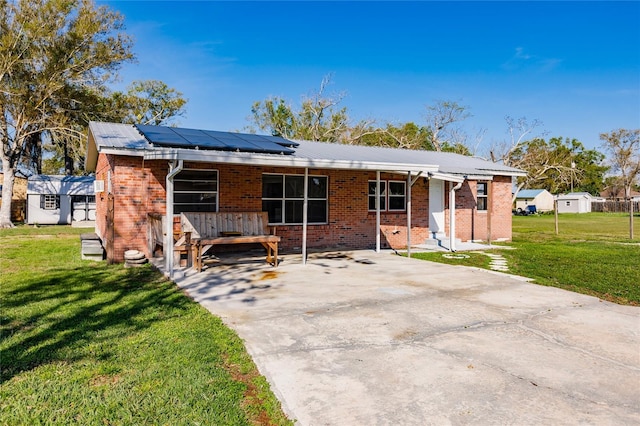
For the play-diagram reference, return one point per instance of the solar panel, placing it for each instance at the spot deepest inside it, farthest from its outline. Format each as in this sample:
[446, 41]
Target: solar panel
[163, 136]
[214, 140]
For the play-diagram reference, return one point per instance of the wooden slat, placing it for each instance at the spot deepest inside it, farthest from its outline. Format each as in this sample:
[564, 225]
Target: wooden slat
[211, 225]
[241, 240]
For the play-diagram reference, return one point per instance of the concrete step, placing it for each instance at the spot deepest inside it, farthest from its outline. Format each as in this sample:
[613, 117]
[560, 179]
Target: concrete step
[91, 247]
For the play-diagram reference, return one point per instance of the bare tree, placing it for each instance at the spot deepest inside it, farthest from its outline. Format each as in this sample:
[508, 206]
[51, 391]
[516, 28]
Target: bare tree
[442, 122]
[518, 131]
[623, 148]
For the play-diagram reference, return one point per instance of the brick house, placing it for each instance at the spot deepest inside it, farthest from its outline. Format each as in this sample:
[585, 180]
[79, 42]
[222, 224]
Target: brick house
[160, 170]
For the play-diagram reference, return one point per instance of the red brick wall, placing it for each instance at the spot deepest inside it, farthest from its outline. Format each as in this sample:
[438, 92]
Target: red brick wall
[139, 188]
[473, 225]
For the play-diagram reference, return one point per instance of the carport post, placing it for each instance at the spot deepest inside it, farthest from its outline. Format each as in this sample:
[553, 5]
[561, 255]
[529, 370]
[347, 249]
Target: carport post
[410, 183]
[378, 211]
[304, 215]
[452, 215]
[409, 214]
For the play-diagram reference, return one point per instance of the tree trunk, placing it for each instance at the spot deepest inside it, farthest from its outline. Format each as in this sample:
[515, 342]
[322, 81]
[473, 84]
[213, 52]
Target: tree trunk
[515, 194]
[7, 194]
[68, 161]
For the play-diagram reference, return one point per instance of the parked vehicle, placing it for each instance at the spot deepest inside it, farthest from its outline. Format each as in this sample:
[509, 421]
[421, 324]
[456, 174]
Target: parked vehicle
[526, 211]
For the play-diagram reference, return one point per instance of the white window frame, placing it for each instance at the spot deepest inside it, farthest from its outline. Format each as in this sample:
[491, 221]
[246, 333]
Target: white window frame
[284, 198]
[484, 196]
[215, 191]
[50, 201]
[386, 195]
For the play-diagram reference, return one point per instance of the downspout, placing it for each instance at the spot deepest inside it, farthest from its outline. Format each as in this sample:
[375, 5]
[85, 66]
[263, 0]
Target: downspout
[305, 215]
[174, 169]
[452, 216]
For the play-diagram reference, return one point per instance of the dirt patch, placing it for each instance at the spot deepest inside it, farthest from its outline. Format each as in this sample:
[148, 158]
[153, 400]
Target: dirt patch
[104, 380]
[405, 335]
[268, 275]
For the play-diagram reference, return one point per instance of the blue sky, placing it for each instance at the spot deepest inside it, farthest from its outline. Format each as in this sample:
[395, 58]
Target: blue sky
[575, 66]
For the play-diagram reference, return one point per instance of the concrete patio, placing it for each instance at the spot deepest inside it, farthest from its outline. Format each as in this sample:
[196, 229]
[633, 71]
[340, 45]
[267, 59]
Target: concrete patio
[360, 338]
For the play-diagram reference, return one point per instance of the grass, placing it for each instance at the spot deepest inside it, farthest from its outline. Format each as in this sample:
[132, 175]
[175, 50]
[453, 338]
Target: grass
[91, 343]
[592, 254]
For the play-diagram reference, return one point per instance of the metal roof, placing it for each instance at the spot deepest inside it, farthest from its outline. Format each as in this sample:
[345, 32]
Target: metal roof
[529, 193]
[124, 139]
[56, 184]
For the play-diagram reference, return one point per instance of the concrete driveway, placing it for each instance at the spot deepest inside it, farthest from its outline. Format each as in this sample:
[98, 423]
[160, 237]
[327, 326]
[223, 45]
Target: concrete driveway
[359, 338]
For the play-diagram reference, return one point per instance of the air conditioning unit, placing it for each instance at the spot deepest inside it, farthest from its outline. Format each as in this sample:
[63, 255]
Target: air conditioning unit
[98, 186]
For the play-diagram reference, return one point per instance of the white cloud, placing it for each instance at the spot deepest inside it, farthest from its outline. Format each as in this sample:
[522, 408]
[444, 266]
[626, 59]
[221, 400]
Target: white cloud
[521, 60]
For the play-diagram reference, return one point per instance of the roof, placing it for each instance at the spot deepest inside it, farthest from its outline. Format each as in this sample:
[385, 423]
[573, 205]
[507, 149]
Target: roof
[530, 193]
[54, 184]
[574, 196]
[124, 139]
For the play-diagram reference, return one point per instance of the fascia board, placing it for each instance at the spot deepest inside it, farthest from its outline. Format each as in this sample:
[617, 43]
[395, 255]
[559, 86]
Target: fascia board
[284, 161]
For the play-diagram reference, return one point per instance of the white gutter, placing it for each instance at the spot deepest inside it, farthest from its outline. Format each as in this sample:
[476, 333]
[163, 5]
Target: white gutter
[280, 161]
[452, 216]
[174, 169]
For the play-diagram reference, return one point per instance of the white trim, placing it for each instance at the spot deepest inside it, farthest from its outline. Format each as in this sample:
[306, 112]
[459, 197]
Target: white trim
[278, 160]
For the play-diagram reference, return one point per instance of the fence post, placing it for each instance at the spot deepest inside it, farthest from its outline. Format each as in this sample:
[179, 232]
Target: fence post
[555, 211]
[630, 218]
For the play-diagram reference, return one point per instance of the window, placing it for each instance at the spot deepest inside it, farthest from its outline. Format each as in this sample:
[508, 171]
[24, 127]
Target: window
[283, 198]
[195, 191]
[395, 199]
[568, 203]
[482, 195]
[49, 202]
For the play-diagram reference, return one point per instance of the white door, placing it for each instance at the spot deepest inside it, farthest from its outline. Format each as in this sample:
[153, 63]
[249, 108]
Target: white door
[436, 206]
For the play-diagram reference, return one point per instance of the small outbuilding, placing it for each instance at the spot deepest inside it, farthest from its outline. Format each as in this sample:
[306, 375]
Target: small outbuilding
[575, 202]
[60, 200]
[540, 198]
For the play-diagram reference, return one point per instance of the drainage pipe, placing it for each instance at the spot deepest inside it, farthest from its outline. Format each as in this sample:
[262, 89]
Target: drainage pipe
[174, 169]
[452, 216]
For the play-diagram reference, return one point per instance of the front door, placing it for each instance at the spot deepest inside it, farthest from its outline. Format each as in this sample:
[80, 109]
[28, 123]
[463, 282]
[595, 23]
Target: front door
[436, 207]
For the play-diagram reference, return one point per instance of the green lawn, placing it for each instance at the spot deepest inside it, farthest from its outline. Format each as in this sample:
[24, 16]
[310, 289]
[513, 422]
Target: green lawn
[592, 254]
[90, 343]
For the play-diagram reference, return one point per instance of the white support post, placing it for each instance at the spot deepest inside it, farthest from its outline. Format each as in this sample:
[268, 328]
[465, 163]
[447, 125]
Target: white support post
[378, 211]
[452, 215]
[409, 183]
[304, 215]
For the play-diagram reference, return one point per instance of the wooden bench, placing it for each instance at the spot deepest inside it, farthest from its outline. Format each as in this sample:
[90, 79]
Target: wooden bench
[205, 230]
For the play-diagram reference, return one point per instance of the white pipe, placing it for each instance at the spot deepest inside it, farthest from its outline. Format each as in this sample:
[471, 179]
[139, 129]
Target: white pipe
[378, 211]
[409, 183]
[304, 216]
[452, 216]
[174, 169]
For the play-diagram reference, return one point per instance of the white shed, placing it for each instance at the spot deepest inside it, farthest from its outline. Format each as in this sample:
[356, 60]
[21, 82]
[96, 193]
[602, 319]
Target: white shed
[541, 198]
[57, 200]
[575, 202]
